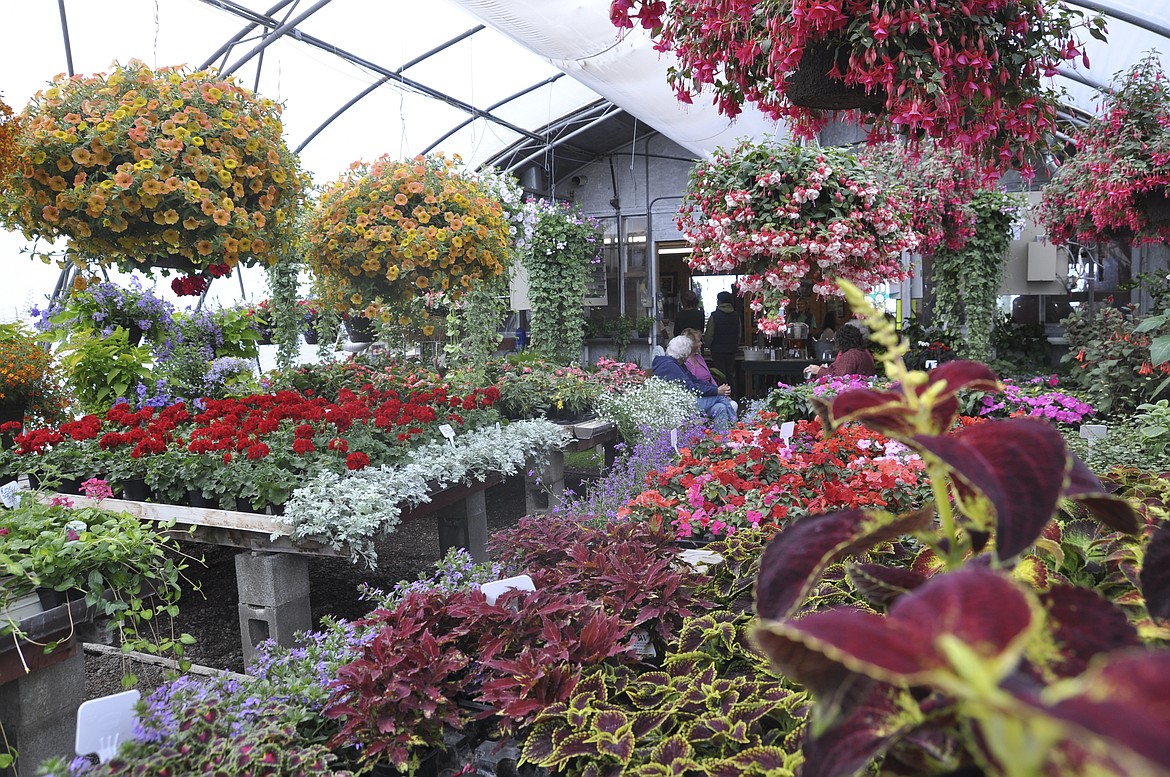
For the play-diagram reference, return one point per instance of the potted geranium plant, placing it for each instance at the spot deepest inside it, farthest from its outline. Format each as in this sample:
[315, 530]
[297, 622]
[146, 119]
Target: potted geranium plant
[150, 168]
[782, 215]
[387, 233]
[971, 74]
[1114, 185]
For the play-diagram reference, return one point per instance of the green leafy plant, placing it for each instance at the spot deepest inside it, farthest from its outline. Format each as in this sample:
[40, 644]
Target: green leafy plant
[1110, 358]
[564, 245]
[129, 571]
[102, 369]
[1153, 421]
[966, 280]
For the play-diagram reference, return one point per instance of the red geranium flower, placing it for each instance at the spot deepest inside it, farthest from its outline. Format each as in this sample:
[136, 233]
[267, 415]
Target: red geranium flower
[357, 460]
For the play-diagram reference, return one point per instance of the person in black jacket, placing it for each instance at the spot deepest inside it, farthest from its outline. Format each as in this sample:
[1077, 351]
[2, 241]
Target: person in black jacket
[689, 317]
[723, 335]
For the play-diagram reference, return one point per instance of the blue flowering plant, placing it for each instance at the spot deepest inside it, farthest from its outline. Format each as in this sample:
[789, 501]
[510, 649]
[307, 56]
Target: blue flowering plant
[104, 307]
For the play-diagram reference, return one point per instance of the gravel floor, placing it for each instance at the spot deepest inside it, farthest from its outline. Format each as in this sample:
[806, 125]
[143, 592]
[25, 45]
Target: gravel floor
[210, 613]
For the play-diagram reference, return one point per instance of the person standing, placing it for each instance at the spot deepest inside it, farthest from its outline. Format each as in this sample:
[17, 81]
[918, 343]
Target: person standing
[689, 317]
[723, 336]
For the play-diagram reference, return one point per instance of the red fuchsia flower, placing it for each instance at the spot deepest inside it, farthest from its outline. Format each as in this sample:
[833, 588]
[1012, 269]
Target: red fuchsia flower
[357, 460]
[941, 69]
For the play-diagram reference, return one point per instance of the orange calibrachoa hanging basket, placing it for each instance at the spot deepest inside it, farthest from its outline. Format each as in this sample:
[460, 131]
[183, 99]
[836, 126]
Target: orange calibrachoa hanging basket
[387, 234]
[143, 168]
[9, 158]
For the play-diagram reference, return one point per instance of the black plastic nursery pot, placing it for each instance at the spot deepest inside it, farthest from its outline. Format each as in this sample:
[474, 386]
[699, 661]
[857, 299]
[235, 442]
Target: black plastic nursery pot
[135, 490]
[359, 329]
[811, 86]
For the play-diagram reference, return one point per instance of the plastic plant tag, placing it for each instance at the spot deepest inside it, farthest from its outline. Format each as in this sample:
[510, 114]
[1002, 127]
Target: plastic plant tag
[642, 644]
[10, 494]
[930, 364]
[674, 439]
[787, 429]
[493, 589]
[449, 432]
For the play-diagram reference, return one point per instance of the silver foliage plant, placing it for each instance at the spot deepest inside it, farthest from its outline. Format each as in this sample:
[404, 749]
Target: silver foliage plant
[351, 510]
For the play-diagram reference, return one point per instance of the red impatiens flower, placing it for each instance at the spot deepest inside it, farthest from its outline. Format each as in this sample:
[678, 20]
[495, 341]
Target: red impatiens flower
[357, 460]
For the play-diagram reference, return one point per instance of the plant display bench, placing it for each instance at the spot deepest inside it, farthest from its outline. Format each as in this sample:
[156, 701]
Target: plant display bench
[272, 572]
[40, 692]
[544, 484]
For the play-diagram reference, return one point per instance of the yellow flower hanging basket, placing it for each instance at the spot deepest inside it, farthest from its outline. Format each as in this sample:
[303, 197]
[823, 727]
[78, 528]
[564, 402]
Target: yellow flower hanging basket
[386, 234]
[143, 168]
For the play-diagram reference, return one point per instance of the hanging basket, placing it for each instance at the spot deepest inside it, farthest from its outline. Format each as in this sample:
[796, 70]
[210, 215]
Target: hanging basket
[1156, 205]
[359, 329]
[811, 86]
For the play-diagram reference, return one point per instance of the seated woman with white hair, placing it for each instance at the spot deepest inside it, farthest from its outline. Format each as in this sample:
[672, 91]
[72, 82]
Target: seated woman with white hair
[712, 400]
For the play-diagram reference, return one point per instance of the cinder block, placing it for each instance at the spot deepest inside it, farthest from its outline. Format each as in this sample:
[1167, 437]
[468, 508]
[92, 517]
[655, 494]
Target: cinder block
[544, 489]
[464, 525]
[280, 623]
[39, 712]
[269, 579]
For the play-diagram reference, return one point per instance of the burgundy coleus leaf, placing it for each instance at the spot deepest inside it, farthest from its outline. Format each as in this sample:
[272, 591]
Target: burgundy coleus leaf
[1115, 512]
[1017, 465]
[1155, 575]
[881, 585]
[1125, 701]
[853, 743]
[974, 606]
[888, 411]
[795, 559]
[1083, 624]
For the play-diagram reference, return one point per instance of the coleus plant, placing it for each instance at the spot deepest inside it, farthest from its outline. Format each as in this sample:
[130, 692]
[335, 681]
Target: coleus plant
[967, 668]
[713, 709]
[971, 74]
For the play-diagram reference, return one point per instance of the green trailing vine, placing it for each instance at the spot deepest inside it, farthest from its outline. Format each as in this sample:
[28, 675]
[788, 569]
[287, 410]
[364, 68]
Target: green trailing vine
[967, 280]
[283, 288]
[473, 323]
[564, 245]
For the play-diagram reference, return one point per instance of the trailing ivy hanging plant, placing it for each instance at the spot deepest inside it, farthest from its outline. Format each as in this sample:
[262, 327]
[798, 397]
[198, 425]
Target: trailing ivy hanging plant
[564, 246]
[967, 280]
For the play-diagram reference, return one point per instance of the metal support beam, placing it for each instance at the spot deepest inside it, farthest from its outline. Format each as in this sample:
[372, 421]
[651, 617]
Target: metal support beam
[409, 83]
[239, 36]
[1125, 16]
[492, 107]
[275, 35]
[384, 79]
[609, 108]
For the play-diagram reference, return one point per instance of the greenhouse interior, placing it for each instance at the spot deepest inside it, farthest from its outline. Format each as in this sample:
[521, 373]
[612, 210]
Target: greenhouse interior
[525, 388]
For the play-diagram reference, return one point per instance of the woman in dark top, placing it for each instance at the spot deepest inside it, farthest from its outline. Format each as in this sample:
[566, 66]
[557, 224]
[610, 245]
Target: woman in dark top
[689, 317]
[852, 358]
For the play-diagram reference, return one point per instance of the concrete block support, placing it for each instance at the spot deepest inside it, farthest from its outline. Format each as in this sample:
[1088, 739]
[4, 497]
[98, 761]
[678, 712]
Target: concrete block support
[463, 524]
[39, 712]
[544, 489]
[274, 599]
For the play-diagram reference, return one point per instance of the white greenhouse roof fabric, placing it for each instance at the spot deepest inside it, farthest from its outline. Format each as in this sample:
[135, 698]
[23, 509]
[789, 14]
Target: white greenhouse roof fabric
[562, 55]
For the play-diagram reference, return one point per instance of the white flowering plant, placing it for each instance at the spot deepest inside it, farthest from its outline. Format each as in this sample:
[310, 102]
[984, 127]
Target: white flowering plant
[352, 509]
[643, 411]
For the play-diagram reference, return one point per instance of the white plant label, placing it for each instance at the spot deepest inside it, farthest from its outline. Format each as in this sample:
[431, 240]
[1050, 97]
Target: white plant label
[787, 429]
[674, 439]
[10, 494]
[449, 432]
[642, 644]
